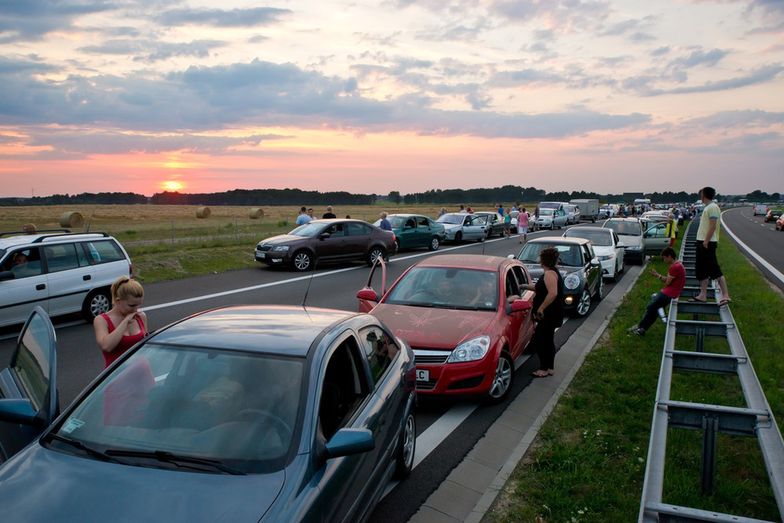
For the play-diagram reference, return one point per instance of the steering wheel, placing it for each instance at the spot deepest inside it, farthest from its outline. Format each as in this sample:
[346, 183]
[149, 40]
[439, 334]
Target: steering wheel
[423, 295]
[258, 415]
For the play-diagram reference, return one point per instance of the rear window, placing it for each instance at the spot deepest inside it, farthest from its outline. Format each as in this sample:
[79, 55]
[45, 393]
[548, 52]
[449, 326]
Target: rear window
[103, 251]
[61, 257]
[600, 238]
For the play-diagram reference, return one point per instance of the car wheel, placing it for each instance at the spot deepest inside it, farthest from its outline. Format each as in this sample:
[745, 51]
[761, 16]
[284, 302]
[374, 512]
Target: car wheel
[374, 254]
[397, 245]
[620, 271]
[458, 237]
[599, 290]
[502, 381]
[96, 303]
[406, 447]
[584, 305]
[435, 243]
[302, 261]
[481, 238]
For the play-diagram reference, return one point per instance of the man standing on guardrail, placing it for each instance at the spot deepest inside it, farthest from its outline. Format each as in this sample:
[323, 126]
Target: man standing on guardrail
[706, 264]
[673, 286]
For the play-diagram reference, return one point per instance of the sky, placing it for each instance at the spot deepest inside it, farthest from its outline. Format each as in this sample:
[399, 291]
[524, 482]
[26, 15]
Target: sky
[391, 95]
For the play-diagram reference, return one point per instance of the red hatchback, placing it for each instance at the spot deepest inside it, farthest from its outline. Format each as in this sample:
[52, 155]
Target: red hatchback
[466, 318]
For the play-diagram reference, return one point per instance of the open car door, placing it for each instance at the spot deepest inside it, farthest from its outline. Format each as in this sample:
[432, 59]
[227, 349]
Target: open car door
[368, 297]
[28, 387]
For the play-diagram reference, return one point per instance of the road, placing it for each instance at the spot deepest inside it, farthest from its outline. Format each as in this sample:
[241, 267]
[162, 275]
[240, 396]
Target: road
[761, 237]
[447, 430]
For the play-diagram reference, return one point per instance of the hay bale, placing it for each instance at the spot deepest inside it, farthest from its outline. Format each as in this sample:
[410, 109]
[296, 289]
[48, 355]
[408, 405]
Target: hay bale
[203, 212]
[256, 213]
[29, 228]
[71, 220]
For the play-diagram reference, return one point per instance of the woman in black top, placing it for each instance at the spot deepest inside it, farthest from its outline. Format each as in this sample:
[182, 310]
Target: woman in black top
[547, 311]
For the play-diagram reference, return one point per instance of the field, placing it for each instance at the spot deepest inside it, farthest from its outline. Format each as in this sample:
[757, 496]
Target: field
[168, 241]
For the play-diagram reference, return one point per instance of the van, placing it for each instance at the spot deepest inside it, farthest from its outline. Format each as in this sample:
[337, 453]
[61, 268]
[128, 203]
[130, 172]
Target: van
[589, 208]
[760, 209]
[60, 271]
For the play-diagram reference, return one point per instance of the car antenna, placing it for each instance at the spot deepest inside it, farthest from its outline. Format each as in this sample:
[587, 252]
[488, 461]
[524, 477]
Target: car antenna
[310, 280]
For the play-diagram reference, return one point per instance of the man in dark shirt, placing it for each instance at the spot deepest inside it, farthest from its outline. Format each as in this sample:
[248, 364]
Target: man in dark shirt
[673, 285]
[329, 213]
[384, 223]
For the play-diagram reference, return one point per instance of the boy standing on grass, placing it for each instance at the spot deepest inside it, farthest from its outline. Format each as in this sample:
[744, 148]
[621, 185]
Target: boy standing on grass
[673, 285]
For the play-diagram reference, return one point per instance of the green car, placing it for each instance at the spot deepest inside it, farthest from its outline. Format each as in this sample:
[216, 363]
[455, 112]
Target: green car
[414, 230]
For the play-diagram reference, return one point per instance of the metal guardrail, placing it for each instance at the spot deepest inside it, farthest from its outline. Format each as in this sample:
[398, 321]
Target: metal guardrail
[756, 419]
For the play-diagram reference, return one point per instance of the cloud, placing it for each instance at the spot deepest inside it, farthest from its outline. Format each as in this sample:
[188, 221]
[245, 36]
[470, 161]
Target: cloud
[699, 57]
[223, 18]
[153, 50]
[33, 19]
[563, 15]
[758, 76]
[747, 118]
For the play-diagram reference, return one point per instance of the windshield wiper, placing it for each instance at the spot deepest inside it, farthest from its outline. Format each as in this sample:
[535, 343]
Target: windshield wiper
[176, 459]
[87, 449]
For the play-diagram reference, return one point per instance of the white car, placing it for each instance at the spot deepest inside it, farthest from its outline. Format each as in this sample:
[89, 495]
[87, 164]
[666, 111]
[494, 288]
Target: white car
[61, 272]
[606, 246]
[551, 219]
[461, 226]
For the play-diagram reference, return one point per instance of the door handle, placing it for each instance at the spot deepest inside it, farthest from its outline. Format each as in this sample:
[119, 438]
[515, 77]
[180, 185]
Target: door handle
[40, 286]
[87, 277]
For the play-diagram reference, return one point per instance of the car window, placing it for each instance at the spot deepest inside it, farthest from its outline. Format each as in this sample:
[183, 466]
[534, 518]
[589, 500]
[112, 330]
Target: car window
[336, 230]
[423, 222]
[61, 257]
[567, 254]
[236, 407]
[103, 251]
[343, 388]
[410, 224]
[511, 286]
[601, 238]
[380, 349]
[31, 367]
[357, 229]
[587, 253]
[446, 288]
[520, 274]
[23, 263]
[628, 228]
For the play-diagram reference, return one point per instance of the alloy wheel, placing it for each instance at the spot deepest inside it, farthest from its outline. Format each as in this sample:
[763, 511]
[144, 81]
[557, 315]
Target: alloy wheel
[585, 303]
[502, 379]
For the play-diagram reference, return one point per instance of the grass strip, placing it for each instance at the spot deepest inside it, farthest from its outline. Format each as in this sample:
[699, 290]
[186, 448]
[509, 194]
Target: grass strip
[588, 461]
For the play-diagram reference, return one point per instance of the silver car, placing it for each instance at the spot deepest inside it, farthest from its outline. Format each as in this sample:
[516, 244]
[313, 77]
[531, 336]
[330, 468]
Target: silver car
[551, 219]
[460, 226]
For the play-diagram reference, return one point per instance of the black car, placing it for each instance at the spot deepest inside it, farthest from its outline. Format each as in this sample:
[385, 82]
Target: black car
[579, 266]
[495, 223]
[326, 240]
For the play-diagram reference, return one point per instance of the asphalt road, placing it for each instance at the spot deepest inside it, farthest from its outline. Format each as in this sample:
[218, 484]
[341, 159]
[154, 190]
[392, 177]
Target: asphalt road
[761, 237]
[455, 426]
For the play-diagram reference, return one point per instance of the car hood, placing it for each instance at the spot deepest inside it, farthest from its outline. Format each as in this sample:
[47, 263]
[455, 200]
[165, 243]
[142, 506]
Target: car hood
[282, 239]
[43, 485]
[629, 240]
[433, 328]
[604, 250]
[535, 270]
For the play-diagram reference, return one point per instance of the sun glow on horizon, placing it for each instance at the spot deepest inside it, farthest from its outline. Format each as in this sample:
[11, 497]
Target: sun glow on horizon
[172, 186]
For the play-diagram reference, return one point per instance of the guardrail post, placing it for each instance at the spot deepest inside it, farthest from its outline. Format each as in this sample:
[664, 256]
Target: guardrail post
[700, 339]
[710, 428]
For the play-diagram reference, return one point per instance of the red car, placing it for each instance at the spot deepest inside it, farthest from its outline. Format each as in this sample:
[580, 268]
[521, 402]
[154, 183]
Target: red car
[466, 318]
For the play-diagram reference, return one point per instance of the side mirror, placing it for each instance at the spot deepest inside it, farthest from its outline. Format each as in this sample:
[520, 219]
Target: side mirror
[368, 294]
[7, 275]
[521, 305]
[595, 262]
[346, 442]
[324, 235]
[17, 411]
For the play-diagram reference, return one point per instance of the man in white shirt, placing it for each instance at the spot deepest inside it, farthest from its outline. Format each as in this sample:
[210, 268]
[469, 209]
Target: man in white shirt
[706, 265]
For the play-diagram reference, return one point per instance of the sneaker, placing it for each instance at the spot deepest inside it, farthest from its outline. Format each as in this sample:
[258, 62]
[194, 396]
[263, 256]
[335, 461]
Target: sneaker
[636, 330]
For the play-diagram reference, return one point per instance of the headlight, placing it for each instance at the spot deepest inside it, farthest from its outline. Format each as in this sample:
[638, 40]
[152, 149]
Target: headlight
[280, 248]
[470, 350]
[633, 248]
[572, 281]
[605, 258]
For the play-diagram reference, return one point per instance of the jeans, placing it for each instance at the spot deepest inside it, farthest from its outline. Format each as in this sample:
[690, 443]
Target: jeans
[658, 301]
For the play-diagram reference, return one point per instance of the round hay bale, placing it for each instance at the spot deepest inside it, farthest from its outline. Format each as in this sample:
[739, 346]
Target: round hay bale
[203, 212]
[29, 228]
[72, 220]
[256, 213]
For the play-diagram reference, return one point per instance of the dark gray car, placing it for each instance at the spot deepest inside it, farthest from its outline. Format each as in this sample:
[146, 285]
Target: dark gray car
[326, 241]
[578, 265]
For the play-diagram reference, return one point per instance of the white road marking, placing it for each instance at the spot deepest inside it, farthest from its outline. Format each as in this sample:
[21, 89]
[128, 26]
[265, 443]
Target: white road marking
[775, 272]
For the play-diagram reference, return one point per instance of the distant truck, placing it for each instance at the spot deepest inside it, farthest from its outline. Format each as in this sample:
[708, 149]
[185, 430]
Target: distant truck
[589, 208]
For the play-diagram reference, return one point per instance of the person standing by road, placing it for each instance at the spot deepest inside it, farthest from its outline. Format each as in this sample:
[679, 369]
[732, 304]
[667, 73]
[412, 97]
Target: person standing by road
[706, 264]
[522, 225]
[329, 213]
[508, 224]
[384, 223]
[673, 286]
[302, 217]
[124, 325]
[547, 311]
[671, 229]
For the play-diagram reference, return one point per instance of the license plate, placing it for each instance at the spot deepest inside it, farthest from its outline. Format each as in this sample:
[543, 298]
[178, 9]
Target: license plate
[423, 375]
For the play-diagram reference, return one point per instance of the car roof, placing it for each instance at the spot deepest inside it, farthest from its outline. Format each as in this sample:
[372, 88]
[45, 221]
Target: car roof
[602, 230]
[26, 239]
[559, 239]
[465, 261]
[407, 215]
[622, 219]
[267, 329]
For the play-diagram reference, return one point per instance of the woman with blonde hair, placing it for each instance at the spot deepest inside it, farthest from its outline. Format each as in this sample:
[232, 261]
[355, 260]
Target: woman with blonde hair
[124, 325]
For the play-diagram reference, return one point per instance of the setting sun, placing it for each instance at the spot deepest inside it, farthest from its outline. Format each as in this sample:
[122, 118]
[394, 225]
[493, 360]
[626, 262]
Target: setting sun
[172, 185]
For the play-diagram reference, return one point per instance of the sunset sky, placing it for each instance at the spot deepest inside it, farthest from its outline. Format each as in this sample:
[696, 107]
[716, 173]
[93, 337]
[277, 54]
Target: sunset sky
[406, 95]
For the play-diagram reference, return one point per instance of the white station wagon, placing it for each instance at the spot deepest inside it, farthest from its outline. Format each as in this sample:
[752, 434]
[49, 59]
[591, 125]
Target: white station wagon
[61, 272]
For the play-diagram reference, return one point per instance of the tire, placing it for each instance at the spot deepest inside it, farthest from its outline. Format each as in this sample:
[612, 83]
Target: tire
[481, 239]
[97, 302]
[458, 237]
[406, 448]
[302, 261]
[435, 243]
[397, 245]
[584, 305]
[375, 252]
[502, 380]
[599, 295]
[623, 268]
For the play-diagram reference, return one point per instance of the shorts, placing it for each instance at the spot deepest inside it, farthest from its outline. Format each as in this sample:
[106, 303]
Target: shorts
[522, 229]
[706, 265]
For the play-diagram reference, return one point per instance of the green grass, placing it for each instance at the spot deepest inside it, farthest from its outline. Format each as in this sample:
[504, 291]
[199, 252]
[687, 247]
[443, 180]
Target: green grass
[169, 262]
[588, 461]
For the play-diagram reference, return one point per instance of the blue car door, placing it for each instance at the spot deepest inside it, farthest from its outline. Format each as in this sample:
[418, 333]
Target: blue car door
[28, 386]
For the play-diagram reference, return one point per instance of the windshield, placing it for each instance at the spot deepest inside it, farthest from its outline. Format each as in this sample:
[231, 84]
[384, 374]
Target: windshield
[308, 230]
[624, 228]
[447, 288]
[568, 255]
[546, 212]
[456, 219]
[237, 408]
[598, 238]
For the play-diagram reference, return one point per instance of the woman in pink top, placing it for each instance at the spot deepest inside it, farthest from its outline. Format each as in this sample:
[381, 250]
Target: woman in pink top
[522, 225]
[124, 325]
